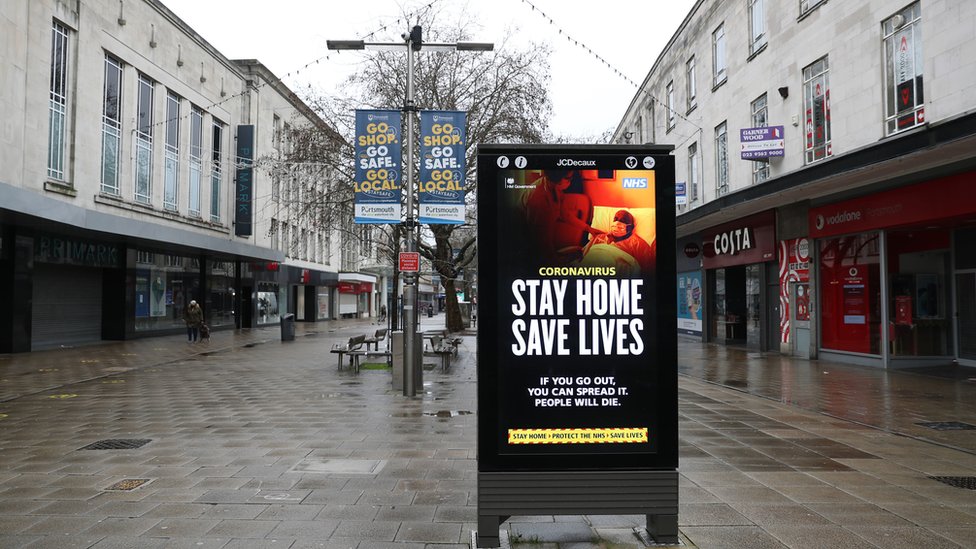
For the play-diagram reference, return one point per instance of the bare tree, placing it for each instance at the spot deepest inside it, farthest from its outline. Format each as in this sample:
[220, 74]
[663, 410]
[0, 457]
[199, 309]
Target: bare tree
[505, 95]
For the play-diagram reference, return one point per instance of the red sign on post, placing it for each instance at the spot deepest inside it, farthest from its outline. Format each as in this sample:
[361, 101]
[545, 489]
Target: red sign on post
[410, 262]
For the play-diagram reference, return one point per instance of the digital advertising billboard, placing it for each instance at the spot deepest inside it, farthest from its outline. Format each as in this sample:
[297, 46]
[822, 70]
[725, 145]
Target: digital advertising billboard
[577, 308]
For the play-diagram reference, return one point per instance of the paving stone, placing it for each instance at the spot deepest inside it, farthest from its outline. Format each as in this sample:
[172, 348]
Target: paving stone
[248, 529]
[312, 529]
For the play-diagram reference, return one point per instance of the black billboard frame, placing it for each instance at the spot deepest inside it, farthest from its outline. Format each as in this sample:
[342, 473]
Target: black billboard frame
[576, 479]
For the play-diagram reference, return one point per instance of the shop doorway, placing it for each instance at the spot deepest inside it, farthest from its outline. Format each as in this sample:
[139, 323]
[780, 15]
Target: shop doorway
[966, 316]
[800, 318]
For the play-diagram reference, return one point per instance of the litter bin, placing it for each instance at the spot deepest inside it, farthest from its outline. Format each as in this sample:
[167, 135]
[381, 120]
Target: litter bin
[288, 327]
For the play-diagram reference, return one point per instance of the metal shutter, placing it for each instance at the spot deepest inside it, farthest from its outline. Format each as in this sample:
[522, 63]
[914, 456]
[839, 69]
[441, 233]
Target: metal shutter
[67, 307]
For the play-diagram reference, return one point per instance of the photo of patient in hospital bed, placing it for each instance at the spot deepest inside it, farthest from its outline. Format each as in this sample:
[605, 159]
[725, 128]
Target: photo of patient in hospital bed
[596, 218]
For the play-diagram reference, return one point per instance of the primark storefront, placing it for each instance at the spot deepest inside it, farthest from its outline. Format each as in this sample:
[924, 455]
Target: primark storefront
[114, 278]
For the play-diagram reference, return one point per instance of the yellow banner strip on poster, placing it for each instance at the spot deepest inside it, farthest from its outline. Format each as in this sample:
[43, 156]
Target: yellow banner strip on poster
[578, 436]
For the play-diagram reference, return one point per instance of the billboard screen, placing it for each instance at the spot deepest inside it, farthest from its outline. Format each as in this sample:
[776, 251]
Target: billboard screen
[577, 307]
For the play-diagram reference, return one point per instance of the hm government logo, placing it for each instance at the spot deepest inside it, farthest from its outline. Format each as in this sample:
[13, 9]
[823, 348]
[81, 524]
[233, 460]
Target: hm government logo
[635, 183]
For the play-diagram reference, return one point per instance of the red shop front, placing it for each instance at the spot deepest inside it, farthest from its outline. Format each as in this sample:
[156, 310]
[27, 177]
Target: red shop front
[354, 298]
[897, 274]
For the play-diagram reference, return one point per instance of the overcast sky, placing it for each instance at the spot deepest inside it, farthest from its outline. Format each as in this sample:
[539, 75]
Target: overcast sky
[588, 96]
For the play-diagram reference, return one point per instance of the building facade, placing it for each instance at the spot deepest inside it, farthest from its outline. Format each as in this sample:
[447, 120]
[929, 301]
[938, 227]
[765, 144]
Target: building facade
[824, 151]
[137, 172]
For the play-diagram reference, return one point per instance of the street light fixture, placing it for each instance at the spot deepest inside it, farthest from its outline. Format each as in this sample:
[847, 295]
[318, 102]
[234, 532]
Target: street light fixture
[412, 42]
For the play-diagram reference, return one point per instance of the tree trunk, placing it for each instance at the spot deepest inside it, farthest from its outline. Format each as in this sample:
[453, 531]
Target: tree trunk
[453, 310]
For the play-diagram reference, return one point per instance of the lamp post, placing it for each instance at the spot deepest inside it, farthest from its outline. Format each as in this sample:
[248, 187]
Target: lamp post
[412, 42]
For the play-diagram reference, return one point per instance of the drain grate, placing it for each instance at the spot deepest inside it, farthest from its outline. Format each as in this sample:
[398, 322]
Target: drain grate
[129, 484]
[967, 483]
[118, 444]
[947, 425]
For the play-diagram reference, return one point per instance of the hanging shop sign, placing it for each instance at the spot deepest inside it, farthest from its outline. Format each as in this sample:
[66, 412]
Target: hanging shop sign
[762, 143]
[377, 150]
[244, 182]
[748, 240]
[442, 167]
[680, 193]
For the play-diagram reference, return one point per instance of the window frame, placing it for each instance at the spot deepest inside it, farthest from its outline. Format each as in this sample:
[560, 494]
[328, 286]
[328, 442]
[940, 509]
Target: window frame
[899, 120]
[669, 97]
[694, 173]
[691, 86]
[145, 115]
[171, 152]
[195, 184]
[759, 109]
[216, 168]
[720, 62]
[814, 73]
[757, 10]
[58, 102]
[111, 126]
[722, 159]
[807, 6]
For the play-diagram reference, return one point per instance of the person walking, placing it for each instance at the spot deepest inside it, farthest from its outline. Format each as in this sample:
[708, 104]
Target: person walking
[193, 316]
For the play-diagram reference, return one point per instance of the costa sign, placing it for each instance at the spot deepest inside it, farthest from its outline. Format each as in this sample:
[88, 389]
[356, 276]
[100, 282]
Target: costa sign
[748, 240]
[732, 242]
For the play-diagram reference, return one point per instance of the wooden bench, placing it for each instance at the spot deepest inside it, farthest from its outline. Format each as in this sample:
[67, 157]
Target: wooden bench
[377, 338]
[355, 344]
[441, 349]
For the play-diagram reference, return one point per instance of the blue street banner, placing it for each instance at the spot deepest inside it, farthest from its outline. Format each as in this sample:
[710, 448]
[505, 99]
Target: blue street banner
[377, 184]
[442, 146]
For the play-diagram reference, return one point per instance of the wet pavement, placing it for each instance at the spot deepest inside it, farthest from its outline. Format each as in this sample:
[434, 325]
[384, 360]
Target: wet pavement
[254, 442]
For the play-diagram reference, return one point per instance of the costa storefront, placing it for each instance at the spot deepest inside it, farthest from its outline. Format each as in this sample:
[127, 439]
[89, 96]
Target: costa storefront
[739, 259]
[897, 275]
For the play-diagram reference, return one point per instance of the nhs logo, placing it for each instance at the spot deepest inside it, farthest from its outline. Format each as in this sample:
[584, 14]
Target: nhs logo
[635, 182]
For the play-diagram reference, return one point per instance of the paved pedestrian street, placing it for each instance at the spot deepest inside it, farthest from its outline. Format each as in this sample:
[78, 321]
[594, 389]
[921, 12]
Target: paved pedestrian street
[250, 442]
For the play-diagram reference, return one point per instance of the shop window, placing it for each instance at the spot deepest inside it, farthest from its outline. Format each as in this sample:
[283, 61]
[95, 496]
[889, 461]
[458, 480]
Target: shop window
[850, 293]
[222, 294]
[268, 308]
[164, 286]
[918, 270]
